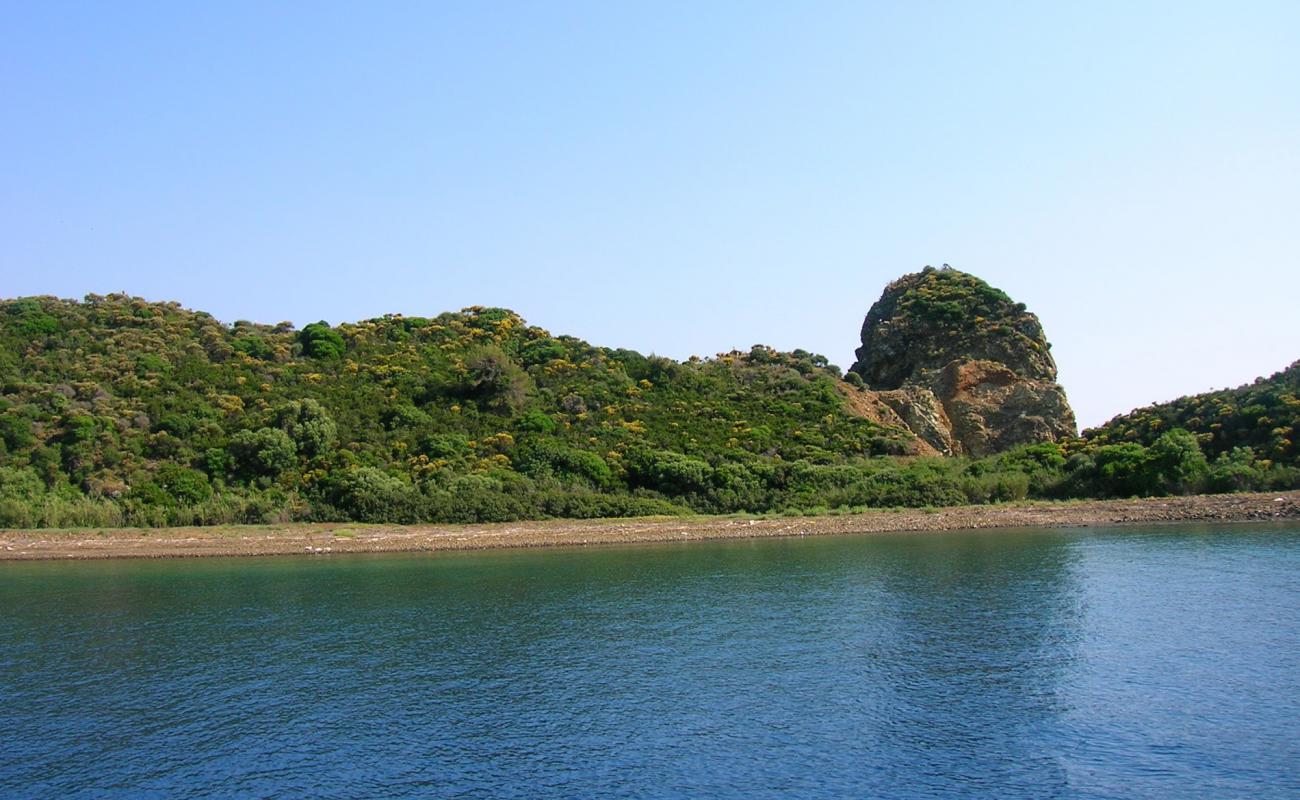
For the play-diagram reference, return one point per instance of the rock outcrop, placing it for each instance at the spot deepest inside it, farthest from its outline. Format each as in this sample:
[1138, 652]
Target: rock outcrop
[964, 367]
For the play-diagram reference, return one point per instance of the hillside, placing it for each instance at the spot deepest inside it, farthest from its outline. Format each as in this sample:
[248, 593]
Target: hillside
[119, 411]
[1263, 416]
[471, 414]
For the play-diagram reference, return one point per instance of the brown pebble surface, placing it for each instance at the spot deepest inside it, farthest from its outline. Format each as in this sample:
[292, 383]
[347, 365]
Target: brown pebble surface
[321, 539]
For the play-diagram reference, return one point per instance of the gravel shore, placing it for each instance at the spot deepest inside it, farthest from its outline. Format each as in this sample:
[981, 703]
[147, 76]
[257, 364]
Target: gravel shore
[334, 538]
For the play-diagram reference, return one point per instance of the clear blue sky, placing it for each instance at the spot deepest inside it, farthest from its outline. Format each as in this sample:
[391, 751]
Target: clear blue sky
[676, 178]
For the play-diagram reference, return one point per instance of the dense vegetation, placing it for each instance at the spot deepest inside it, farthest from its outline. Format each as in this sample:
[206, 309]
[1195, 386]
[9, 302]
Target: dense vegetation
[1250, 432]
[116, 410]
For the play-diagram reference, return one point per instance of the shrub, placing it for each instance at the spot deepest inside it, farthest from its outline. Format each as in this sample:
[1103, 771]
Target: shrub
[319, 340]
[1233, 471]
[28, 319]
[216, 461]
[549, 458]
[254, 347]
[1120, 470]
[405, 416]
[263, 452]
[541, 351]
[184, 486]
[480, 498]
[590, 505]
[15, 431]
[669, 472]
[995, 487]
[535, 422]
[368, 494]
[1176, 464]
[447, 446]
[20, 485]
[737, 487]
[309, 425]
[491, 376]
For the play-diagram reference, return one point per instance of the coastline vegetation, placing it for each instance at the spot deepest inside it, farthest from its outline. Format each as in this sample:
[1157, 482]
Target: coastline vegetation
[116, 411]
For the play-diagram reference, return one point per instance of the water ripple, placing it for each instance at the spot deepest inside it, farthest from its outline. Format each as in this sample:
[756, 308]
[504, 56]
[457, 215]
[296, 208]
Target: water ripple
[1035, 664]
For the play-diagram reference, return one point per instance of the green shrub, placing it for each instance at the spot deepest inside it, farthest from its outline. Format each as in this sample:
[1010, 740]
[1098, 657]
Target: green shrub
[541, 351]
[15, 432]
[480, 498]
[319, 340]
[674, 474]
[265, 452]
[1121, 470]
[1176, 464]
[28, 319]
[184, 486]
[20, 485]
[535, 422]
[254, 347]
[1234, 471]
[309, 425]
[446, 446]
[368, 494]
[492, 377]
[548, 458]
[405, 417]
[995, 487]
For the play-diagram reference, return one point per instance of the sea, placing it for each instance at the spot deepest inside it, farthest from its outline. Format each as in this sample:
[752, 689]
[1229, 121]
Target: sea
[1103, 662]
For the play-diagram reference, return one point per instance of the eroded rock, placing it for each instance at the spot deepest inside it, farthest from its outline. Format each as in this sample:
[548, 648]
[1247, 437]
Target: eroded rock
[967, 370]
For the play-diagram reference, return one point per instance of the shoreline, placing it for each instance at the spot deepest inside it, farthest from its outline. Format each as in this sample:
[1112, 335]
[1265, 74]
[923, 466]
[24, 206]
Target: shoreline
[328, 538]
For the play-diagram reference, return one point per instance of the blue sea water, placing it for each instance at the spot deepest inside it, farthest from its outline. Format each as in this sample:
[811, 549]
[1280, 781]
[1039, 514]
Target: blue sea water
[1158, 662]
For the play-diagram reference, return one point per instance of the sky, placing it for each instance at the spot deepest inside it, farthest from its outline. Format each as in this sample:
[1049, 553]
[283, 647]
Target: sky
[675, 177]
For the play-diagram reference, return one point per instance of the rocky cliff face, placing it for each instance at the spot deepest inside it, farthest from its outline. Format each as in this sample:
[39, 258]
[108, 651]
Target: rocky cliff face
[964, 367]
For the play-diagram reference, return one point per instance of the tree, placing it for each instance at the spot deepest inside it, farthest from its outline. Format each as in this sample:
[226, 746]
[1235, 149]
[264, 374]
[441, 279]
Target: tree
[309, 425]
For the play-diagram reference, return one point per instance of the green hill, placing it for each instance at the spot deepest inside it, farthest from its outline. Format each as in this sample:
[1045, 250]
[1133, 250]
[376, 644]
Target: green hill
[119, 411]
[469, 415]
[1252, 426]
